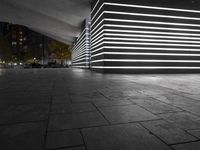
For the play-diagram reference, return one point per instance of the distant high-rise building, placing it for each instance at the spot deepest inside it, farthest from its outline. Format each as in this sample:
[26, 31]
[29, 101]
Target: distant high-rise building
[22, 40]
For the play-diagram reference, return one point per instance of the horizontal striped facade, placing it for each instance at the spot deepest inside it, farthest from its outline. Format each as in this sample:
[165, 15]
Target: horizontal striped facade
[81, 50]
[128, 37]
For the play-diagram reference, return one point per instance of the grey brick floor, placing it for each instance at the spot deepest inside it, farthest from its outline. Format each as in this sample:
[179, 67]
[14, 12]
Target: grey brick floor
[74, 109]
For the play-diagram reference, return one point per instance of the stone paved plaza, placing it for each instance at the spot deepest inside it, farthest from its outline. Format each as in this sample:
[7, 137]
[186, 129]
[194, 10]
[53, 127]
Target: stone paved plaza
[74, 109]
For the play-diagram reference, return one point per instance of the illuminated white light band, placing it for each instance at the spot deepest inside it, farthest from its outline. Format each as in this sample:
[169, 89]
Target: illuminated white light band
[97, 39]
[150, 27]
[150, 36]
[96, 50]
[82, 46]
[151, 54]
[150, 40]
[78, 54]
[94, 7]
[144, 40]
[150, 48]
[151, 15]
[96, 36]
[97, 42]
[80, 57]
[153, 7]
[79, 60]
[82, 33]
[142, 67]
[145, 43]
[79, 51]
[80, 40]
[152, 22]
[81, 63]
[79, 66]
[145, 60]
[93, 29]
[152, 32]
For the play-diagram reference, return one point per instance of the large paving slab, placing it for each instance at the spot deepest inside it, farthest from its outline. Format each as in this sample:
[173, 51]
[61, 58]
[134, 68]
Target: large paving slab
[155, 106]
[195, 133]
[125, 114]
[23, 113]
[188, 146]
[72, 108]
[121, 137]
[63, 139]
[184, 120]
[168, 132]
[78, 120]
[29, 136]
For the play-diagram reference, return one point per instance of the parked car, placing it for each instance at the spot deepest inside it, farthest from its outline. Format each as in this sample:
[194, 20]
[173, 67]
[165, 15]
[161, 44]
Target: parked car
[36, 65]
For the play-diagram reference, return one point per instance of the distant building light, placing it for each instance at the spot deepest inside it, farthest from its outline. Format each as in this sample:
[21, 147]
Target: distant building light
[21, 39]
[14, 43]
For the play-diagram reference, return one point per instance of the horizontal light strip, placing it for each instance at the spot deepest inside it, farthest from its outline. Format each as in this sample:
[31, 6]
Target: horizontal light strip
[151, 40]
[96, 50]
[151, 36]
[97, 35]
[145, 60]
[80, 66]
[142, 67]
[149, 27]
[153, 7]
[79, 46]
[80, 56]
[94, 6]
[153, 22]
[79, 60]
[145, 43]
[93, 29]
[138, 43]
[145, 40]
[145, 48]
[151, 15]
[82, 33]
[82, 38]
[151, 54]
[152, 32]
[151, 48]
[81, 63]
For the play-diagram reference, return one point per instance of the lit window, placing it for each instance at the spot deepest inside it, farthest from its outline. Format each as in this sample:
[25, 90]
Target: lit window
[14, 43]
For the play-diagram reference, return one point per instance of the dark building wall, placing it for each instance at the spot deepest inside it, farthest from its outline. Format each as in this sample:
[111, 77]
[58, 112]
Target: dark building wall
[81, 49]
[145, 36]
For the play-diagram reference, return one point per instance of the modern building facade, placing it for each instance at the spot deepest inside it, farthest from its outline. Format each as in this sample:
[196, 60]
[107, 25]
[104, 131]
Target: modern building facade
[143, 36]
[81, 48]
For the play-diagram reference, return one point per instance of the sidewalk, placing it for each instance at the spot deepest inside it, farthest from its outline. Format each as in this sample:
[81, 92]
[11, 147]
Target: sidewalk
[74, 109]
